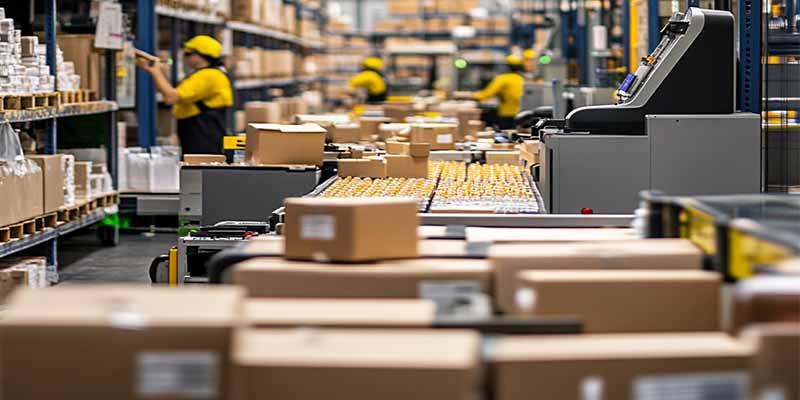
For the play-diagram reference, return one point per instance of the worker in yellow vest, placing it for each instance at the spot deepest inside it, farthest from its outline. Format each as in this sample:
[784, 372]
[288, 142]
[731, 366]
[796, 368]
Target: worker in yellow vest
[508, 88]
[371, 79]
[201, 101]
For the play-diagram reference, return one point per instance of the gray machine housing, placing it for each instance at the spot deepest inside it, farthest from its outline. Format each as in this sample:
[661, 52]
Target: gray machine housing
[215, 193]
[680, 155]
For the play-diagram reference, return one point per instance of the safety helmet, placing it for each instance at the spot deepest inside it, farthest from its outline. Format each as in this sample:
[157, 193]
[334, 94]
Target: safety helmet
[372, 63]
[514, 61]
[204, 45]
[528, 54]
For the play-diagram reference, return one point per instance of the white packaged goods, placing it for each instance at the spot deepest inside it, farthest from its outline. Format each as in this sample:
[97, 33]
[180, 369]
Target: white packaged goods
[68, 167]
[157, 171]
[23, 62]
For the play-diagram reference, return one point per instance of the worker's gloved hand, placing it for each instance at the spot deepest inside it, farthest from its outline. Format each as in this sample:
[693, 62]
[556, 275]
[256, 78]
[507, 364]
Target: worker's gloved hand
[148, 65]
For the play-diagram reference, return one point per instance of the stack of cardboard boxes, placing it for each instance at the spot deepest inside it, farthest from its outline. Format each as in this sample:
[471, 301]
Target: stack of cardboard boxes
[261, 63]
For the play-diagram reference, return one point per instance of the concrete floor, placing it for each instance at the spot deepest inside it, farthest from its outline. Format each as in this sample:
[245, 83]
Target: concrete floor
[82, 259]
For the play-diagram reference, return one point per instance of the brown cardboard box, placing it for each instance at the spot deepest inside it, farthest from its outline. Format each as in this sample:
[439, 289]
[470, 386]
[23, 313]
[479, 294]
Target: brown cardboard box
[363, 167]
[393, 147]
[81, 51]
[262, 112]
[509, 259]
[399, 111]
[339, 313]
[122, 339]
[502, 157]
[624, 300]
[776, 364]
[20, 195]
[369, 126]
[440, 136]
[285, 144]
[548, 235]
[357, 229]
[82, 184]
[356, 364]
[344, 133]
[198, 159]
[388, 279]
[53, 181]
[763, 299]
[617, 366]
[402, 166]
[419, 150]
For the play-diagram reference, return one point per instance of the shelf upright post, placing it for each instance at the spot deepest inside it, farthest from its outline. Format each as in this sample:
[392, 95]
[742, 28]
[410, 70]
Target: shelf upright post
[145, 91]
[626, 34]
[110, 90]
[174, 47]
[749, 68]
[653, 25]
[51, 145]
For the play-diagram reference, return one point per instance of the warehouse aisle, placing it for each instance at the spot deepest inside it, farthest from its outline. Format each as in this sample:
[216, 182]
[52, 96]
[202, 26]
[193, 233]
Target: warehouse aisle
[83, 259]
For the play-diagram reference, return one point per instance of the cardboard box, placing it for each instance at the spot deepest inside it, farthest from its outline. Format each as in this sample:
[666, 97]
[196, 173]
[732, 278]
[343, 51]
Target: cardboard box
[385, 280]
[402, 166]
[53, 181]
[624, 300]
[762, 299]
[344, 133]
[440, 136]
[776, 364]
[502, 157]
[262, 112]
[123, 340]
[83, 170]
[369, 126]
[87, 60]
[419, 150]
[363, 167]
[199, 159]
[510, 259]
[618, 366]
[285, 144]
[393, 147]
[356, 364]
[339, 313]
[354, 229]
[20, 195]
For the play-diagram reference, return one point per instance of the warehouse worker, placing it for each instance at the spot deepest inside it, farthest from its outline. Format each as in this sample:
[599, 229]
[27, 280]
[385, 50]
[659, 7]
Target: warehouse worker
[508, 89]
[202, 100]
[371, 79]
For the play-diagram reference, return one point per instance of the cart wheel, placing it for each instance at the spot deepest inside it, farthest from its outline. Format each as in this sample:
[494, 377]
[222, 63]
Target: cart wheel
[108, 235]
[159, 269]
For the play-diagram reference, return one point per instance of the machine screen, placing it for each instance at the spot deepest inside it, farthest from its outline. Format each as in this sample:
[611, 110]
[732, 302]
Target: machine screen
[626, 84]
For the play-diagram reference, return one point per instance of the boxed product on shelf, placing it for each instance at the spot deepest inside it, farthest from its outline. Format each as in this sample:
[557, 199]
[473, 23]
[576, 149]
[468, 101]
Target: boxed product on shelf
[327, 229]
[271, 13]
[396, 279]
[356, 364]
[288, 18]
[22, 272]
[124, 339]
[623, 301]
[79, 49]
[246, 10]
[776, 364]
[648, 254]
[285, 144]
[339, 313]
[619, 366]
[83, 170]
[53, 181]
[68, 169]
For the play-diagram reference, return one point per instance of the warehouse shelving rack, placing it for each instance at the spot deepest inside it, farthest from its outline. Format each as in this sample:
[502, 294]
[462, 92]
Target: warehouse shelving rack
[192, 22]
[48, 237]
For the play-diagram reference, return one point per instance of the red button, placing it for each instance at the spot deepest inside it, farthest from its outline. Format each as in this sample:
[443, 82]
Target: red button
[586, 211]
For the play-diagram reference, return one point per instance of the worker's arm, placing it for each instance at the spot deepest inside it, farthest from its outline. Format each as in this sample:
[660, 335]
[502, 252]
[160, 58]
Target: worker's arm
[163, 86]
[495, 86]
[360, 80]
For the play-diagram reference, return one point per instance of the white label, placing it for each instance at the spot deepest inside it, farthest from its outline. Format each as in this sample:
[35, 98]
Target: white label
[108, 34]
[191, 374]
[700, 386]
[446, 138]
[317, 227]
[456, 298]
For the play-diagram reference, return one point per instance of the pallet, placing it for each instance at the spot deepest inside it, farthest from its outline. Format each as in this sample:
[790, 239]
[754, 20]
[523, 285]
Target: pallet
[10, 102]
[17, 231]
[49, 220]
[68, 214]
[108, 200]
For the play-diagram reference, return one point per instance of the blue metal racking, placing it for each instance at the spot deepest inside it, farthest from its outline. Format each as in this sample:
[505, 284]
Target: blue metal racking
[49, 120]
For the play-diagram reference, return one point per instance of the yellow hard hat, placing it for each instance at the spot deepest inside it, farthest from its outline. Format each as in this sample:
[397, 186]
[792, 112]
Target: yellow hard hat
[528, 54]
[514, 60]
[372, 63]
[205, 45]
